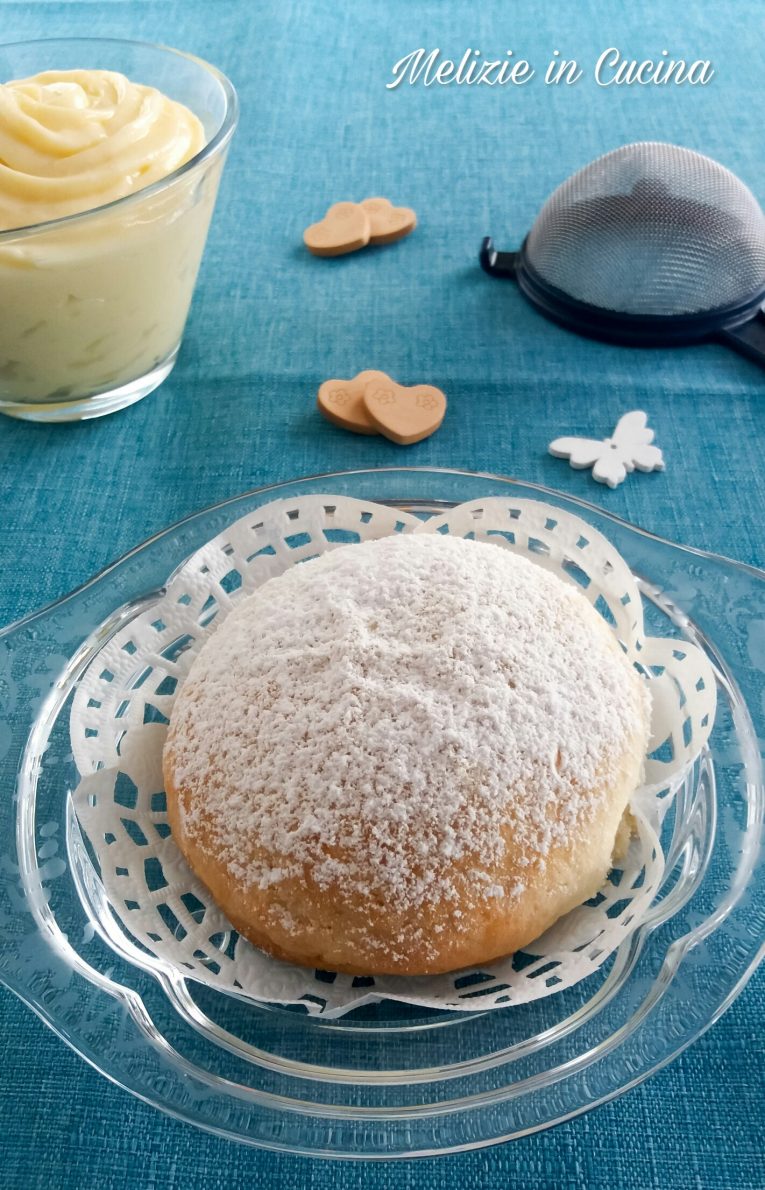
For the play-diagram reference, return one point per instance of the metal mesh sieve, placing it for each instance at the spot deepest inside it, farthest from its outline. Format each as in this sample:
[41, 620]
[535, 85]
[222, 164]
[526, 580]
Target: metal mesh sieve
[651, 229]
[651, 242]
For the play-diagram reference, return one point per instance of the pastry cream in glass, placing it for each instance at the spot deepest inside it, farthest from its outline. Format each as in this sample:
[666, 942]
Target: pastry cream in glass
[91, 304]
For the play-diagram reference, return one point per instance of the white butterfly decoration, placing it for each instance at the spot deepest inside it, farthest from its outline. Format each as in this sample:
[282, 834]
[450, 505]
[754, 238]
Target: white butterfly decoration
[612, 458]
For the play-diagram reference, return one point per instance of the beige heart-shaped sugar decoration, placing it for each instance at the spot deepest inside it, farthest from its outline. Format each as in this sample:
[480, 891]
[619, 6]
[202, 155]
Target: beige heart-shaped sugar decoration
[344, 228]
[386, 222]
[342, 402]
[405, 415]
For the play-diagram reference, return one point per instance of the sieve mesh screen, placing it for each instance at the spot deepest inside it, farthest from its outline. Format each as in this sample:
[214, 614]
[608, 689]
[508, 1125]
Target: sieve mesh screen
[651, 229]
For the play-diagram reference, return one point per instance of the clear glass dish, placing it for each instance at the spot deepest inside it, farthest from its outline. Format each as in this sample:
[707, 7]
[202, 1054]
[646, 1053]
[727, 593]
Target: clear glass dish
[95, 302]
[387, 1080]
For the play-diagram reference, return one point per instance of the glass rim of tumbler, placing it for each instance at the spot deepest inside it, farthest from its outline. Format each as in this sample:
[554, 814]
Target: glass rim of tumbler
[210, 149]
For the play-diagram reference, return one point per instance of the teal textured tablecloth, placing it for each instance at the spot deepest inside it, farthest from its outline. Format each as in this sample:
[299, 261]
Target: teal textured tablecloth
[269, 323]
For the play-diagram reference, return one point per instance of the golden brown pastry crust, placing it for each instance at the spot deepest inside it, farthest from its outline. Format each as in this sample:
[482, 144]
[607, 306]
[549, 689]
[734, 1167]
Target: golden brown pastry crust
[484, 898]
[328, 930]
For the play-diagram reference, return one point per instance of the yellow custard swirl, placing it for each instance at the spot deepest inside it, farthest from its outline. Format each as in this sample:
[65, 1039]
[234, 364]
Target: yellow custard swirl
[93, 304]
[72, 140]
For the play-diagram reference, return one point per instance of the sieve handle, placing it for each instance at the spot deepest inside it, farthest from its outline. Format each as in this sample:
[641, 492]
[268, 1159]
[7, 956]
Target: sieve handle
[497, 264]
[749, 338]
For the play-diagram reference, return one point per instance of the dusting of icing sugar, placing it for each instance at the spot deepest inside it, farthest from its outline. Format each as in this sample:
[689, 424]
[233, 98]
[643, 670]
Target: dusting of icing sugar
[395, 710]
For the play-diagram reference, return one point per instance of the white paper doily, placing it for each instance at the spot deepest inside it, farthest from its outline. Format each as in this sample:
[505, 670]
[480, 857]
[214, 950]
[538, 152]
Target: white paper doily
[161, 917]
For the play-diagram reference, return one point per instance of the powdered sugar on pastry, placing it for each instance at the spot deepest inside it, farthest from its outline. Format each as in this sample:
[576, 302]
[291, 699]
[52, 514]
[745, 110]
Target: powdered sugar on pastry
[409, 724]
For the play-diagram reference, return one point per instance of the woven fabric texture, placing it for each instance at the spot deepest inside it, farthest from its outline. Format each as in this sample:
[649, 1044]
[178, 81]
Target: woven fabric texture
[270, 322]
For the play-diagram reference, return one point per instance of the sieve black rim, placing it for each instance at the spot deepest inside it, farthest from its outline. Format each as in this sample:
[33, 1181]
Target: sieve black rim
[616, 326]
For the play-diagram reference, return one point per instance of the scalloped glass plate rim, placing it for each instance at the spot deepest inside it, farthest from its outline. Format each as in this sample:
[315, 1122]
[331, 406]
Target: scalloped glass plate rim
[587, 505]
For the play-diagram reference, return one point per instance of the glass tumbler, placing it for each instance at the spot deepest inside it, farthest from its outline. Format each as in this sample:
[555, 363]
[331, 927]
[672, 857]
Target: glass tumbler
[94, 304]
